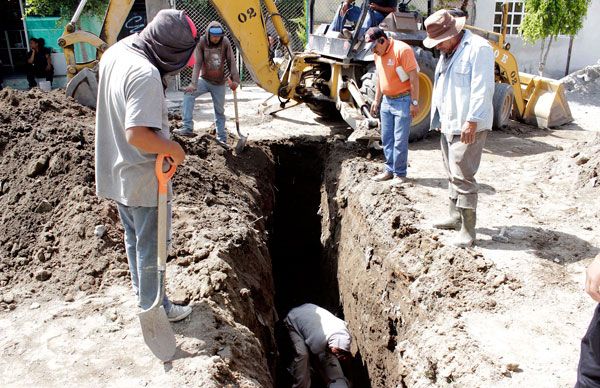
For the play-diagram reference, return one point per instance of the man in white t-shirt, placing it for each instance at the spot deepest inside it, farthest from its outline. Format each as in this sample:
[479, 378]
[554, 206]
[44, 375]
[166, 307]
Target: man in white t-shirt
[314, 330]
[131, 129]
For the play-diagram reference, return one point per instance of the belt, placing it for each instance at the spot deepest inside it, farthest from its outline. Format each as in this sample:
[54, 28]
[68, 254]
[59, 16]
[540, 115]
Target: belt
[399, 95]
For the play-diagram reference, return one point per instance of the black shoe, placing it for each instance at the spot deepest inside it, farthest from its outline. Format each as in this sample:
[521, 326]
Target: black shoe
[224, 145]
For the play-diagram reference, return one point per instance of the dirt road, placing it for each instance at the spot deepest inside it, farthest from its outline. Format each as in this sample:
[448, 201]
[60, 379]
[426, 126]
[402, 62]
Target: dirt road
[537, 225]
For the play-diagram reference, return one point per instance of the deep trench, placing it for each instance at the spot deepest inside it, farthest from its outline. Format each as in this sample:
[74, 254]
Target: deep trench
[304, 271]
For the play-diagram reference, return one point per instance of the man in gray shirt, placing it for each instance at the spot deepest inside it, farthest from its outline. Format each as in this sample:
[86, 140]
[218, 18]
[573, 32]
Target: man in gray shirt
[314, 330]
[131, 129]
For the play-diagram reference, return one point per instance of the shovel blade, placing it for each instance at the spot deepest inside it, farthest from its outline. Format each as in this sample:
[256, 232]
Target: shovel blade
[241, 143]
[158, 333]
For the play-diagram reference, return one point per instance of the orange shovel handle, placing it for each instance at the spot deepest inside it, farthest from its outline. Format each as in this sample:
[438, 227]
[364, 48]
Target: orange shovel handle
[163, 176]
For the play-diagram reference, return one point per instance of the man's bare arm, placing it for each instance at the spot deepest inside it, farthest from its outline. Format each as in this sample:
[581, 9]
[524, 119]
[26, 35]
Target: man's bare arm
[151, 142]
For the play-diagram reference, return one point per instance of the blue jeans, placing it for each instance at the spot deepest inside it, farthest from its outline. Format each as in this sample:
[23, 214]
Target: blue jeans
[395, 129]
[141, 234]
[373, 18]
[588, 371]
[217, 93]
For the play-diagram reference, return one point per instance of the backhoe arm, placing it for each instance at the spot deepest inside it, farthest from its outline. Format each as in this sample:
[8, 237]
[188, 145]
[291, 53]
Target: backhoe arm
[246, 22]
[115, 17]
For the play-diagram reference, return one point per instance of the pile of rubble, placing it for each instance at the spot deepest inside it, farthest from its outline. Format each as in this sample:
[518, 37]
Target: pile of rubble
[584, 85]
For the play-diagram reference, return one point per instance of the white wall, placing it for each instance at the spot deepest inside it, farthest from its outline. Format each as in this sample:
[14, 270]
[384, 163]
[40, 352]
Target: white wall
[586, 47]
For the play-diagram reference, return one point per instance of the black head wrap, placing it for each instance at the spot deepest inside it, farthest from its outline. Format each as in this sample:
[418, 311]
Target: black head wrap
[166, 41]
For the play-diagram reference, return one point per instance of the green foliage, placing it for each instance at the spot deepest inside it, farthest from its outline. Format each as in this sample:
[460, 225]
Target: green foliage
[65, 8]
[301, 29]
[447, 4]
[300, 22]
[550, 18]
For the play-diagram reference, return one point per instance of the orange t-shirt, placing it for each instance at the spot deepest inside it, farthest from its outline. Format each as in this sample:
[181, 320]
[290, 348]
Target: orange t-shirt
[397, 54]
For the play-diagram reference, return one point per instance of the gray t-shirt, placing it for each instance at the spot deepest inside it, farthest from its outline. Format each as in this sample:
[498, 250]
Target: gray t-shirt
[130, 94]
[316, 325]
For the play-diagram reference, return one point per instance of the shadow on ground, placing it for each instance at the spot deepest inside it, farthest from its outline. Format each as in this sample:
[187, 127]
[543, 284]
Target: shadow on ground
[551, 245]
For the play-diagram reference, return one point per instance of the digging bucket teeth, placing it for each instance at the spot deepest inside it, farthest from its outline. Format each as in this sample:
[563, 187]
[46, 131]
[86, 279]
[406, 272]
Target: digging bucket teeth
[84, 87]
[546, 103]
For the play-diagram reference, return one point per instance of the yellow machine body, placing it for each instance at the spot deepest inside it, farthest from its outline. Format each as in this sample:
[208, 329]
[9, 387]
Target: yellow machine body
[538, 100]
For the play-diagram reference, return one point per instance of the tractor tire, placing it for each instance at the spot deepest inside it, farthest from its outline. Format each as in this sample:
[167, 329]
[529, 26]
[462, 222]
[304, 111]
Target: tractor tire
[503, 101]
[325, 109]
[420, 124]
[367, 84]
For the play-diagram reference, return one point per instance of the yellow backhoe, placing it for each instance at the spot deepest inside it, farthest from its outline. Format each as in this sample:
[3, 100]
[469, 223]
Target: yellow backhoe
[525, 97]
[335, 75]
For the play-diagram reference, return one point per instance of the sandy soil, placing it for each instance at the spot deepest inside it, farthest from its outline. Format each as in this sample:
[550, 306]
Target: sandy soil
[537, 230]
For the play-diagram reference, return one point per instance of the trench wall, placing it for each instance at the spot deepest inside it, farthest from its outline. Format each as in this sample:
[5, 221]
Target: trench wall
[402, 291]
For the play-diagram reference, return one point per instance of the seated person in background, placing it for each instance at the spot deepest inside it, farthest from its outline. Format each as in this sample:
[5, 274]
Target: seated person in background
[378, 10]
[39, 62]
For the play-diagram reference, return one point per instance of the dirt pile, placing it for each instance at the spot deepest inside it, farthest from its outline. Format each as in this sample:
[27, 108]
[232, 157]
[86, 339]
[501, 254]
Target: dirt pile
[580, 166]
[584, 85]
[586, 156]
[56, 236]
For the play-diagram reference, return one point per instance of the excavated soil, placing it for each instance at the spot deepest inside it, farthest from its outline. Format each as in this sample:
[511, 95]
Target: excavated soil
[50, 212]
[286, 222]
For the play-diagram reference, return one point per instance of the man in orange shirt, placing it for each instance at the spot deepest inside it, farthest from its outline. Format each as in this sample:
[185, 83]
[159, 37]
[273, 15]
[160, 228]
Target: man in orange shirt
[396, 99]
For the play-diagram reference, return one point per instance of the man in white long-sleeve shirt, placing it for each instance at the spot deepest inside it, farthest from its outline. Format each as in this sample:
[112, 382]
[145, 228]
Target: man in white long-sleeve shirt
[314, 330]
[462, 110]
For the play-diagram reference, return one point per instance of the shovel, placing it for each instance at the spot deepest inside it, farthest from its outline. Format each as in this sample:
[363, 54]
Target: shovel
[241, 143]
[156, 328]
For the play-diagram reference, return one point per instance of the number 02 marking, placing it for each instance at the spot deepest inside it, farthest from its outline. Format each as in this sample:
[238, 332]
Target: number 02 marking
[244, 16]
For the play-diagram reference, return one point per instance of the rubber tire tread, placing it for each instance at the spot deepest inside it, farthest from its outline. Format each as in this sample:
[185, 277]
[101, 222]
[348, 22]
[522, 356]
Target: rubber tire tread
[501, 92]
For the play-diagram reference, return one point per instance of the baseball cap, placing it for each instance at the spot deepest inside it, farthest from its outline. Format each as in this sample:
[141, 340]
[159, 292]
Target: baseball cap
[216, 31]
[373, 34]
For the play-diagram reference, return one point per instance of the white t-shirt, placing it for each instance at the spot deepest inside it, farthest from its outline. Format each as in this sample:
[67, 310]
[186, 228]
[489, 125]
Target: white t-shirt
[316, 325]
[130, 94]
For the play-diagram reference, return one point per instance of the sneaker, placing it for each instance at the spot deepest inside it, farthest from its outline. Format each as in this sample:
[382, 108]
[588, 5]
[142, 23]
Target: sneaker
[346, 33]
[384, 176]
[183, 132]
[177, 312]
[398, 180]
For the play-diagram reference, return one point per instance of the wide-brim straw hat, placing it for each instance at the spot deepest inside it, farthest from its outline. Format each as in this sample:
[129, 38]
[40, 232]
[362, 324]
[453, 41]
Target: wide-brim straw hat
[442, 26]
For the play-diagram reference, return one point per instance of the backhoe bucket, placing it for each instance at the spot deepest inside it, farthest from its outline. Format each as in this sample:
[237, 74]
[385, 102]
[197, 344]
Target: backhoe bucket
[546, 104]
[84, 87]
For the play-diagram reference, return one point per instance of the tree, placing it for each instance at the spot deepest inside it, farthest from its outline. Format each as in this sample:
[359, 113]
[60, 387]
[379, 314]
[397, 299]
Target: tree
[546, 19]
[447, 4]
[65, 8]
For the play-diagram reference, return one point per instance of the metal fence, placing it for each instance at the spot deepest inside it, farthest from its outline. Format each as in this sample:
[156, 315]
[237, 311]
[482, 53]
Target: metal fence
[202, 12]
